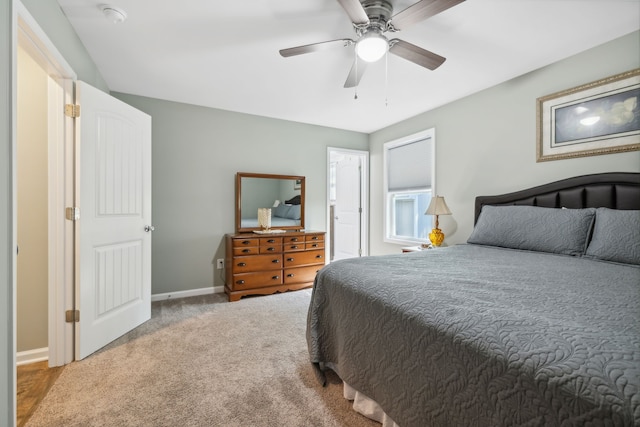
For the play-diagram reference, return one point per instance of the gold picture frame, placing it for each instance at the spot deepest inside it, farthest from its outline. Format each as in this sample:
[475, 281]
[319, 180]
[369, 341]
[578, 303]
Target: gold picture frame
[600, 117]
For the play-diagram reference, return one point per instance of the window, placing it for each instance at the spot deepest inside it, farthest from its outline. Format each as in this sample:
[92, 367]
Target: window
[409, 178]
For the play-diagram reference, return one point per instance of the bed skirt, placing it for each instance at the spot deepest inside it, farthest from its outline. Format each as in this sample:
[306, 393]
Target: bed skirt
[367, 407]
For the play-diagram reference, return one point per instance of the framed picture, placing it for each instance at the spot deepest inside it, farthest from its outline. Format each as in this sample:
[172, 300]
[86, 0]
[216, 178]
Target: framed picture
[601, 117]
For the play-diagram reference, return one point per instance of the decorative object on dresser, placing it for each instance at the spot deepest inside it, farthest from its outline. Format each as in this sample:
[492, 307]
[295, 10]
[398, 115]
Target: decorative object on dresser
[264, 218]
[437, 206]
[266, 264]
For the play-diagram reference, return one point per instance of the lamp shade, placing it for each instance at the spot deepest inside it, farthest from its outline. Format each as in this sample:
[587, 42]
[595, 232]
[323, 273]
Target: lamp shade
[437, 206]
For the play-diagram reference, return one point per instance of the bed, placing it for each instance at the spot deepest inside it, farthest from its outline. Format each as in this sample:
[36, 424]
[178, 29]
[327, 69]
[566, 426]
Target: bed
[535, 321]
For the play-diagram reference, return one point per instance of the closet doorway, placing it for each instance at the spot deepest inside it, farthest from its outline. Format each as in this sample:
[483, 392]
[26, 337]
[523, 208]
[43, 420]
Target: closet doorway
[347, 202]
[44, 174]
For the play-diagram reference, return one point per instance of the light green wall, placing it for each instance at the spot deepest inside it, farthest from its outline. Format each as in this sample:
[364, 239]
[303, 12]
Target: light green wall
[485, 143]
[32, 198]
[7, 102]
[196, 154]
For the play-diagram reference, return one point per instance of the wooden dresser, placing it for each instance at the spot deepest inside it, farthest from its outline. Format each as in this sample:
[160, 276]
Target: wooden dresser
[261, 264]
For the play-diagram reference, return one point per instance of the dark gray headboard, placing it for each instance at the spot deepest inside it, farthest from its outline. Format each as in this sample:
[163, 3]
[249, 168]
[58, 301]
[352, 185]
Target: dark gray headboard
[615, 190]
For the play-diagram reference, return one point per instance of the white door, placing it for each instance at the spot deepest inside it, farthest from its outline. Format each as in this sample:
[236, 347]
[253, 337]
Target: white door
[347, 211]
[113, 192]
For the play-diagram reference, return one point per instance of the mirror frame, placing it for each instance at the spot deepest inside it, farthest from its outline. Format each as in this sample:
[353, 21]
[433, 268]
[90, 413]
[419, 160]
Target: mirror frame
[240, 175]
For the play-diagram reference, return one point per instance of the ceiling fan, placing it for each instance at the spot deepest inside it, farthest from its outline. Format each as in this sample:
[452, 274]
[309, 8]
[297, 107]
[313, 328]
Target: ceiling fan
[371, 19]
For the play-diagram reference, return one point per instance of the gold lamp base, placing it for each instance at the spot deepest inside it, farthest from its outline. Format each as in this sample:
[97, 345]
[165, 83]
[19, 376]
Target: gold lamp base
[436, 237]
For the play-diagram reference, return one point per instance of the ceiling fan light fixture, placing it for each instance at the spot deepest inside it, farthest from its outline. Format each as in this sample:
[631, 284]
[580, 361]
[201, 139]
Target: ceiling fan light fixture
[372, 46]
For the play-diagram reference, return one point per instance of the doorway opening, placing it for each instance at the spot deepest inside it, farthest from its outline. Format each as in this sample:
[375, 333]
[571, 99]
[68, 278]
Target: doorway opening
[347, 203]
[45, 141]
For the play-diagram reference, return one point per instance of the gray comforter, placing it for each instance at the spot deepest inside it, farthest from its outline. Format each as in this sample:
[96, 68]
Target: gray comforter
[479, 336]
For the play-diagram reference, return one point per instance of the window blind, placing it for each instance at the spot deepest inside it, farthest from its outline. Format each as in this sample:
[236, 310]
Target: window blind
[409, 166]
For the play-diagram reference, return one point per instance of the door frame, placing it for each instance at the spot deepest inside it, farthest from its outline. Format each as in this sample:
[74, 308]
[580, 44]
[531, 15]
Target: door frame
[364, 196]
[33, 39]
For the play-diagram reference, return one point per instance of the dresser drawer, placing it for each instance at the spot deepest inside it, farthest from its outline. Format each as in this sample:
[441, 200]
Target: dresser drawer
[256, 263]
[256, 280]
[245, 242]
[301, 274]
[314, 245]
[292, 247]
[294, 239]
[271, 241]
[314, 238]
[294, 259]
[273, 249]
[252, 250]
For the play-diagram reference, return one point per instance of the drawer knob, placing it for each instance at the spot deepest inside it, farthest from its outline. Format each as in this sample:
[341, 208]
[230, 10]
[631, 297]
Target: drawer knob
[271, 249]
[246, 242]
[289, 259]
[294, 247]
[318, 256]
[271, 241]
[242, 264]
[275, 277]
[314, 238]
[295, 239]
[290, 275]
[315, 245]
[276, 261]
[239, 282]
[245, 251]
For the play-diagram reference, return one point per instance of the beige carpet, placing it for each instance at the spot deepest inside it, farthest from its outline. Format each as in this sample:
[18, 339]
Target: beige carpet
[202, 361]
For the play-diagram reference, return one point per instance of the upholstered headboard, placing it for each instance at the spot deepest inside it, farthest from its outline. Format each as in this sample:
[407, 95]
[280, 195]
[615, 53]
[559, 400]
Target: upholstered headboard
[615, 190]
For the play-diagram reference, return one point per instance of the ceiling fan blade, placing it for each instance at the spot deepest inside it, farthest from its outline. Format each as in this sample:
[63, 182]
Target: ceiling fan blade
[353, 79]
[315, 47]
[420, 11]
[355, 11]
[416, 54]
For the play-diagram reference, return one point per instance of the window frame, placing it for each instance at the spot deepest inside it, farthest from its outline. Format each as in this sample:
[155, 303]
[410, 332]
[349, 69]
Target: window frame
[388, 228]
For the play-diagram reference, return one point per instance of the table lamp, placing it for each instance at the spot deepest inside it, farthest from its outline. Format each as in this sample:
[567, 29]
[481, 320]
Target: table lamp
[437, 206]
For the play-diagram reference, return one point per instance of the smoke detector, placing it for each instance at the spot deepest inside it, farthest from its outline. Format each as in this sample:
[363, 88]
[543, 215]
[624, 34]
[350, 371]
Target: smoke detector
[113, 14]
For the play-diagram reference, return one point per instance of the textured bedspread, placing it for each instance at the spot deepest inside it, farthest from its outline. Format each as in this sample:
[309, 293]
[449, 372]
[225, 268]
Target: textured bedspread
[479, 336]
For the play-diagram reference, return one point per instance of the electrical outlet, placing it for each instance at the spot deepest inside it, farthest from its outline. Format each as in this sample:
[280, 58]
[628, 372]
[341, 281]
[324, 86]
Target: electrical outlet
[220, 264]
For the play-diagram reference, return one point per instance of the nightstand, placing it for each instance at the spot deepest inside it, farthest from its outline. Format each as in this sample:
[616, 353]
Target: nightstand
[415, 248]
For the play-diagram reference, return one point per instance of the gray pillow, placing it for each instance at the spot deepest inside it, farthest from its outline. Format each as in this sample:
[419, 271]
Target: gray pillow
[559, 231]
[616, 236]
[294, 212]
[281, 210]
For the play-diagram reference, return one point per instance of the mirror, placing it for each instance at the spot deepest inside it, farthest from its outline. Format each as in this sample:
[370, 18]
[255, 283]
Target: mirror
[283, 194]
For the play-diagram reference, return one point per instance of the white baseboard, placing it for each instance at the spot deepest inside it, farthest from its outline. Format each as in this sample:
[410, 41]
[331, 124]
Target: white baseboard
[32, 356]
[189, 293]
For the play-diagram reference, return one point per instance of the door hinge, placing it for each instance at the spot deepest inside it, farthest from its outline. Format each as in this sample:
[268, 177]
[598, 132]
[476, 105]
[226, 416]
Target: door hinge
[73, 214]
[72, 110]
[72, 316]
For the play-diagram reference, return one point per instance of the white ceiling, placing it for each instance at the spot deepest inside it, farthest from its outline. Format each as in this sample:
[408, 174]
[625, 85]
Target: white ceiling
[225, 54]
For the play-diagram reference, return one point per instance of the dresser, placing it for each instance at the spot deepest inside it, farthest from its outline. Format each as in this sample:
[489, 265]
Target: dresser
[261, 264]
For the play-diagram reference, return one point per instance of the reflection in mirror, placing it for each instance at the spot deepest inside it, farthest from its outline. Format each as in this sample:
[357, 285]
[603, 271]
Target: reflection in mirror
[283, 194]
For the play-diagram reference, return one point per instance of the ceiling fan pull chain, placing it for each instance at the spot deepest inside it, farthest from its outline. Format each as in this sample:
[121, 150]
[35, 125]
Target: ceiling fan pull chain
[386, 78]
[355, 87]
